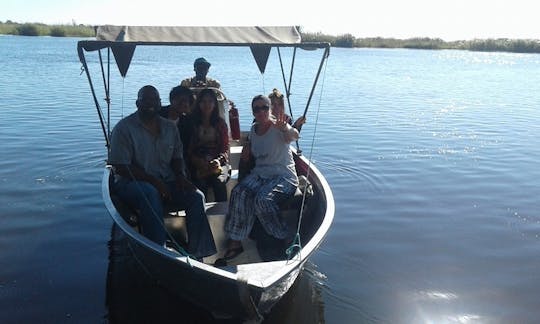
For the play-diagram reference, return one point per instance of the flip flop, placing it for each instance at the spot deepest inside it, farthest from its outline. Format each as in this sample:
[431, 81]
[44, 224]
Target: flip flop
[229, 255]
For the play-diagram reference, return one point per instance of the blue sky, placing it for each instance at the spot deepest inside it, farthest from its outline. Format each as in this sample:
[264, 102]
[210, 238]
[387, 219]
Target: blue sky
[446, 19]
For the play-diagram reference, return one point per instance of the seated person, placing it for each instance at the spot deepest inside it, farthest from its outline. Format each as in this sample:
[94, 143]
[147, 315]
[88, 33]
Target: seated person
[200, 80]
[179, 111]
[272, 180]
[278, 109]
[146, 153]
[208, 150]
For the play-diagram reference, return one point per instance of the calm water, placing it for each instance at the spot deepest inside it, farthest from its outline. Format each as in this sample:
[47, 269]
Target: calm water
[432, 157]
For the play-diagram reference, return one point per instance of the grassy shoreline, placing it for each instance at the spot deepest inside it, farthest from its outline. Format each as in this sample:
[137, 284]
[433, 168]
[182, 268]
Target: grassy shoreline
[38, 29]
[346, 40]
[482, 45]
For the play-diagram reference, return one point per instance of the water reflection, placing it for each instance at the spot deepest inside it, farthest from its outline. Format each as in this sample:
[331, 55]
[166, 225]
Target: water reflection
[134, 297]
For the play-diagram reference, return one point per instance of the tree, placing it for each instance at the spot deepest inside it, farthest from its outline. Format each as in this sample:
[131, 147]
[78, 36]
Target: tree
[27, 30]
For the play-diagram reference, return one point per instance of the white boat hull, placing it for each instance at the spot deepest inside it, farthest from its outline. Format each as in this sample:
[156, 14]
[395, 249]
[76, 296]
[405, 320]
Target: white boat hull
[242, 290]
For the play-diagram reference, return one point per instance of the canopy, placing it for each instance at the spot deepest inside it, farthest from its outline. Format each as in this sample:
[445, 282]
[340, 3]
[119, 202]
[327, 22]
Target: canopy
[122, 40]
[200, 34]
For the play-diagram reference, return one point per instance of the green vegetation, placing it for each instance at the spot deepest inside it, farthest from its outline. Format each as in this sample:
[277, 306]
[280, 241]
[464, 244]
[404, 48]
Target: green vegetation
[38, 29]
[346, 40]
[484, 45]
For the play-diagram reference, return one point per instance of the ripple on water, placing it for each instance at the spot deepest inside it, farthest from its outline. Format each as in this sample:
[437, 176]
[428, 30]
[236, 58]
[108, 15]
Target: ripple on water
[351, 171]
[432, 157]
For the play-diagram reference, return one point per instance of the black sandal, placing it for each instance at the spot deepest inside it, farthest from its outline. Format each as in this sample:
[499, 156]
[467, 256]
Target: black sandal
[229, 255]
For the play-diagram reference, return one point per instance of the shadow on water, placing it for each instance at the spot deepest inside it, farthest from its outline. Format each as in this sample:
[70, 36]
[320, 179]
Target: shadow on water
[134, 297]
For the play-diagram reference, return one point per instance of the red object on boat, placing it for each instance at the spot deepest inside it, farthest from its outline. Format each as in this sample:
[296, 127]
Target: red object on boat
[234, 122]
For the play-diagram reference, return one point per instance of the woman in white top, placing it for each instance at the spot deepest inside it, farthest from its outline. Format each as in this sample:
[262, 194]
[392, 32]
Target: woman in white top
[272, 180]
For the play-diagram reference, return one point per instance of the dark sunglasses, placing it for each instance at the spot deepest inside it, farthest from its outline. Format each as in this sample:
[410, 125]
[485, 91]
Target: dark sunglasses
[259, 108]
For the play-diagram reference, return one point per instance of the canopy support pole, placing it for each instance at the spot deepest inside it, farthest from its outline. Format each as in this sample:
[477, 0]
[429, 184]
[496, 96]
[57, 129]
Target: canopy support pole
[106, 84]
[324, 57]
[98, 108]
[107, 94]
[288, 87]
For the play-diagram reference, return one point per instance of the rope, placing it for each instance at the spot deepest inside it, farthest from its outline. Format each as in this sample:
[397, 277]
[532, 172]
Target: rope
[139, 261]
[263, 83]
[296, 243]
[287, 87]
[108, 90]
[123, 88]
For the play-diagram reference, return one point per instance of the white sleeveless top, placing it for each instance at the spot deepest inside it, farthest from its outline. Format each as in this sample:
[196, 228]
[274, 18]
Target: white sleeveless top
[273, 155]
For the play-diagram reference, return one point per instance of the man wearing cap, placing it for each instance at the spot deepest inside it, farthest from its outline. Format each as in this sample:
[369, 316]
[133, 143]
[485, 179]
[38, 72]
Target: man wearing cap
[200, 80]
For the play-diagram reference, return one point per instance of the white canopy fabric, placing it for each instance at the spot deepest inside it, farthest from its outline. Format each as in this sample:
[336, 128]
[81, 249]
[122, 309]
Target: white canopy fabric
[123, 40]
[200, 34]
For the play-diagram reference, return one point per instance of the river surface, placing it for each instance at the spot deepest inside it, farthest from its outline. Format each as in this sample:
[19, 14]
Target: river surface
[432, 156]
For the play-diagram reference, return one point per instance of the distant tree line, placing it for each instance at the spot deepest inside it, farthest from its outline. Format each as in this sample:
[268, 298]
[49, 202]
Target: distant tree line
[38, 29]
[484, 45]
[345, 40]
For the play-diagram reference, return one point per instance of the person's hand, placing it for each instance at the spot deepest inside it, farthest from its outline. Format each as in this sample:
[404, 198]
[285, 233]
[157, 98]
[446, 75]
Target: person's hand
[281, 122]
[300, 121]
[214, 163]
[162, 189]
[246, 152]
[215, 166]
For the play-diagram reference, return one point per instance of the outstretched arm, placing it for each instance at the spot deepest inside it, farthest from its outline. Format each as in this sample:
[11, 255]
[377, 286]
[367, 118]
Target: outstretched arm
[290, 133]
[299, 122]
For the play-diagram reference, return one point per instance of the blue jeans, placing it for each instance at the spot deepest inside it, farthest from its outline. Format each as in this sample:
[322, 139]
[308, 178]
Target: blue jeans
[219, 187]
[146, 198]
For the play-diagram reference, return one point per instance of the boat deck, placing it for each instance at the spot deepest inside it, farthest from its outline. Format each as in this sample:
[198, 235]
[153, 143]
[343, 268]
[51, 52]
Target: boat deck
[216, 211]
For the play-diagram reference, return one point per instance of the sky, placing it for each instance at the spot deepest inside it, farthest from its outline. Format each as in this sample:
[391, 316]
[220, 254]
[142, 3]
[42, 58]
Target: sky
[446, 19]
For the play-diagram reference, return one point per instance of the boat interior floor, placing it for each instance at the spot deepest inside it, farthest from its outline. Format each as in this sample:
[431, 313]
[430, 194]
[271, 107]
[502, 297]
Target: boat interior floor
[259, 247]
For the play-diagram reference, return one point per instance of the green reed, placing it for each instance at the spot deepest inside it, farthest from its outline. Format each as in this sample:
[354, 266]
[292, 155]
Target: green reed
[345, 40]
[38, 29]
[484, 45]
